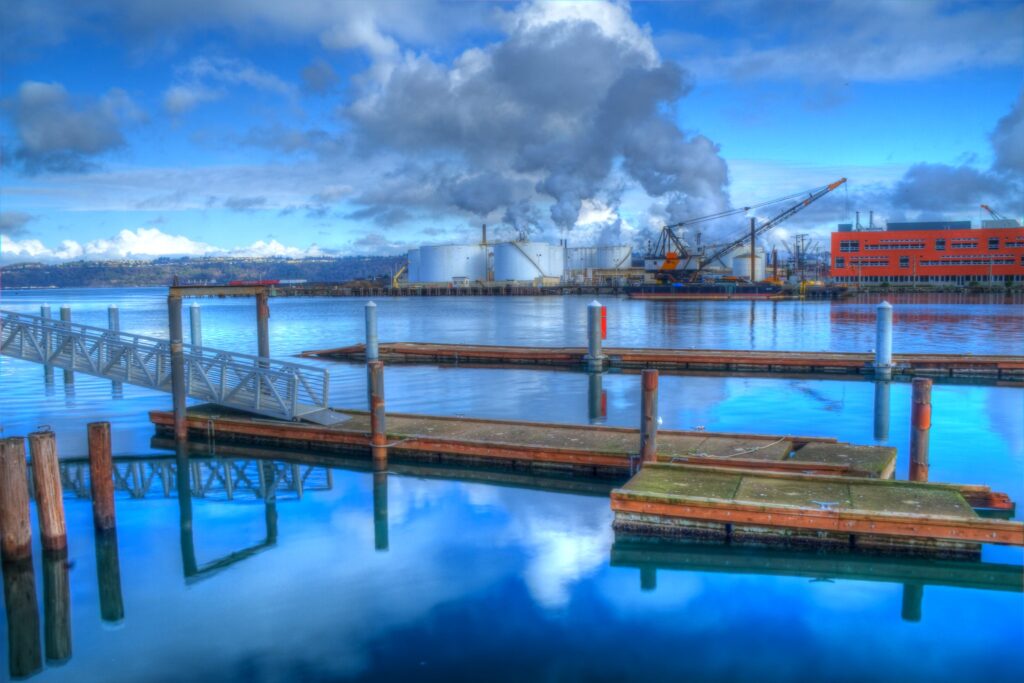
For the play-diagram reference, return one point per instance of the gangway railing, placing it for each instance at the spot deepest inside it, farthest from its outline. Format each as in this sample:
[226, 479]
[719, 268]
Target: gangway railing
[256, 384]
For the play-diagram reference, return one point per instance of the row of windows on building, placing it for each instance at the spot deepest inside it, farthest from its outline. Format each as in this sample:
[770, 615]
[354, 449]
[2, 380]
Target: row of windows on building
[958, 279]
[940, 244]
[904, 261]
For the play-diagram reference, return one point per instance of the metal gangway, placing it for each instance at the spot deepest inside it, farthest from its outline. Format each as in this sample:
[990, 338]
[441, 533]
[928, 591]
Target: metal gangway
[264, 386]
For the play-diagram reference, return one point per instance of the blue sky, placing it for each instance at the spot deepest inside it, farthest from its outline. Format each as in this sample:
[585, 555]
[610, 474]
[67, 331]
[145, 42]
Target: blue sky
[134, 128]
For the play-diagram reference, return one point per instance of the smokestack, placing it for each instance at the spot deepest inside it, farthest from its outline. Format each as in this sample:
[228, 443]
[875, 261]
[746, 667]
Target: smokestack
[858, 221]
[485, 235]
[871, 220]
[753, 270]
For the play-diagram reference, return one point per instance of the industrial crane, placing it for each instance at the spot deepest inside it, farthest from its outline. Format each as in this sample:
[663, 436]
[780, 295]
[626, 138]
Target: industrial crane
[995, 214]
[671, 257]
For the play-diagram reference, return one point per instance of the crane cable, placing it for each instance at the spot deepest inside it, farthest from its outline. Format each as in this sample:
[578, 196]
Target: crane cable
[744, 209]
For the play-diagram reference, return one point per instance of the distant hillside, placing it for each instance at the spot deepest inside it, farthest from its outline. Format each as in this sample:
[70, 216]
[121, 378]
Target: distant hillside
[197, 271]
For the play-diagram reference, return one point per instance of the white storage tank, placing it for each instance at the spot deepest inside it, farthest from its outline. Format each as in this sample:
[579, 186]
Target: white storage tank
[527, 261]
[741, 264]
[613, 257]
[580, 258]
[444, 262]
[412, 272]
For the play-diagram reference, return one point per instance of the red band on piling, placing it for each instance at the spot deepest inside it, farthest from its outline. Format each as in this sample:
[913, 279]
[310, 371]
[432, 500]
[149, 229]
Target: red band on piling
[604, 322]
[921, 416]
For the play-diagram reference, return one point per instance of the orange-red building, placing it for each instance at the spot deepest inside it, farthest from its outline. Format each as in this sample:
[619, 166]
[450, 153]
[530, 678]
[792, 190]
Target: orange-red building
[939, 252]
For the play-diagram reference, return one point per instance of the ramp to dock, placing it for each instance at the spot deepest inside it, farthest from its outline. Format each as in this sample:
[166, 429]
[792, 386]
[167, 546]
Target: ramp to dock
[259, 385]
[669, 500]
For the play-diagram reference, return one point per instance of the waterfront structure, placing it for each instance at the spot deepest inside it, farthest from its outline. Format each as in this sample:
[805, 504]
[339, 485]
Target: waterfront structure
[936, 252]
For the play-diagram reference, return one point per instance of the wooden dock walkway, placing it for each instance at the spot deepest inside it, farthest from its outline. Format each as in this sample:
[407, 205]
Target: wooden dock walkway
[1007, 368]
[590, 450]
[694, 501]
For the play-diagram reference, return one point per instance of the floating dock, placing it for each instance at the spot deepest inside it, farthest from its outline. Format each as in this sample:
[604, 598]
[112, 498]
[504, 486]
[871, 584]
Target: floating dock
[1010, 368]
[717, 504]
[540, 447]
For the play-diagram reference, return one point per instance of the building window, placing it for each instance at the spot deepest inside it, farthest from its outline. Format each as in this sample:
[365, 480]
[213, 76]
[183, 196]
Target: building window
[904, 261]
[993, 243]
[940, 245]
[840, 262]
[849, 245]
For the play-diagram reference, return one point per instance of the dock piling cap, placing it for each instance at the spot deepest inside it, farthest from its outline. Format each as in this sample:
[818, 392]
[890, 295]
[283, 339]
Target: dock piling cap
[885, 304]
[370, 303]
[595, 302]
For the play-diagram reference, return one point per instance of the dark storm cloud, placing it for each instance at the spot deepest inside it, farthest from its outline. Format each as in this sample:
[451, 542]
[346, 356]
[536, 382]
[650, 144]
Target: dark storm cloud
[938, 187]
[1008, 139]
[12, 223]
[244, 203]
[57, 134]
[557, 104]
[319, 77]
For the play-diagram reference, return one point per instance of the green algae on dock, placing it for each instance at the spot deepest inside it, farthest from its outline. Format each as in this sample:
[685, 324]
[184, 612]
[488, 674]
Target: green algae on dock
[671, 500]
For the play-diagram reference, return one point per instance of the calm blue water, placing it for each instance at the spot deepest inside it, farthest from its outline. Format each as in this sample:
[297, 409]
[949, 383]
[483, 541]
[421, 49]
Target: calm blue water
[487, 582]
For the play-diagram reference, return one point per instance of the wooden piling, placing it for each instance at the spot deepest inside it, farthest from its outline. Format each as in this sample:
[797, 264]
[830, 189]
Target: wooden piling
[56, 609]
[177, 366]
[378, 428]
[14, 515]
[101, 476]
[920, 426]
[49, 496]
[649, 416]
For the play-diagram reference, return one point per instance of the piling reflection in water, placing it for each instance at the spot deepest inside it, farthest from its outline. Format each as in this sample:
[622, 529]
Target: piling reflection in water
[597, 399]
[108, 573]
[23, 647]
[57, 609]
[883, 390]
[380, 511]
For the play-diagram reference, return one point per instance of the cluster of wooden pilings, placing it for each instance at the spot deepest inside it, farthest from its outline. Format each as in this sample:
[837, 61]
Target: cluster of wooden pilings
[18, 568]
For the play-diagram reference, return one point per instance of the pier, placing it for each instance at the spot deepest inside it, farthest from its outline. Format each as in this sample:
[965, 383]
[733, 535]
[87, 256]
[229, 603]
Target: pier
[1005, 368]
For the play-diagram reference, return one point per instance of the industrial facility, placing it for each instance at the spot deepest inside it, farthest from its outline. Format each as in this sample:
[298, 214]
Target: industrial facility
[520, 261]
[944, 252]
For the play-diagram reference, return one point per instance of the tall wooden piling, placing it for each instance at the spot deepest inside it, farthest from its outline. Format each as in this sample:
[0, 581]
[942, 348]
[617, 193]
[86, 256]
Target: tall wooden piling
[920, 426]
[56, 609]
[23, 646]
[44, 312]
[101, 476]
[49, 496]
[177, 366]
[65, 316]
[649, 416]
[15, 526]
[263, 324]
[378, 427]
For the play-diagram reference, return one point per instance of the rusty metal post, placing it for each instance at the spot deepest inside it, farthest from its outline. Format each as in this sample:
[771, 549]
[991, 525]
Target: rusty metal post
[101, 476]
[378, 428]
[65, 316]
[49, 496]
[920, 426]
[263, 324]
[649, 416]
[177, 366]
[44, 312]
[15, 527]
